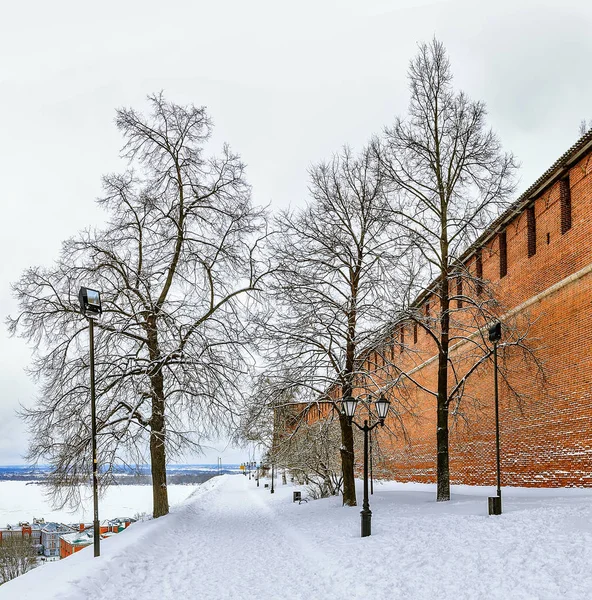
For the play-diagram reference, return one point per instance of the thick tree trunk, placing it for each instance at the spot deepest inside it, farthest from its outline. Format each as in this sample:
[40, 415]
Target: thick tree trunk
[443, 468]
[347, 434]
[347, 461]
[160, 497]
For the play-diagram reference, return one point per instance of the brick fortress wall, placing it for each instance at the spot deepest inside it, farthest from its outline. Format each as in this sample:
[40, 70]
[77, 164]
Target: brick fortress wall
[546, 437]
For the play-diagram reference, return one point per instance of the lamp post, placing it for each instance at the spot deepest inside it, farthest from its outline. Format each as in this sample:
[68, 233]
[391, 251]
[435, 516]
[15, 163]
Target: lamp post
[258, 471]
[90, 307]
[272, 476]
[371, 466]
[349, 404]
[495, 502]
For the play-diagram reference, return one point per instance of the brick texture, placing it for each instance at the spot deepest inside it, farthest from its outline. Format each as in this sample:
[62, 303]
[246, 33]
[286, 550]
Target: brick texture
[546, 437]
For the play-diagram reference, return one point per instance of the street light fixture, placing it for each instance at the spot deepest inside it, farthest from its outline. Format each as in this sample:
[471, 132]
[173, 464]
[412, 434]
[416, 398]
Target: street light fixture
[349, 404]
[272, 476]
[495, 502]
[90, 307]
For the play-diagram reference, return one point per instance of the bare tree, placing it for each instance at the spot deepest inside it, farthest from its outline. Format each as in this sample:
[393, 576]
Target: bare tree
[585, 126]
[277, 423]
[448, 179]
[175, 264]
[312, 456]
[17, 556]
[334, 263]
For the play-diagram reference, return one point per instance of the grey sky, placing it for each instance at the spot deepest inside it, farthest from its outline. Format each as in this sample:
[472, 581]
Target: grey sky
[286, 83]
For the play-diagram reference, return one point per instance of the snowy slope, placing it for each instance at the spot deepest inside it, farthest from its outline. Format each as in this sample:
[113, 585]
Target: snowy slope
[232, 540]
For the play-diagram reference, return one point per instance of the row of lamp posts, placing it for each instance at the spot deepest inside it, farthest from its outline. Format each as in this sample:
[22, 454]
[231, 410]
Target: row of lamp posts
[90, 307]
[349, 406]
[350, 403]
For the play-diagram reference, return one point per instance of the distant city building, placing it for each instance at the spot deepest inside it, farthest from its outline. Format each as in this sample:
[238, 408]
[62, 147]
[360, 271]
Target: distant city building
[73, 542]
[70, 543]
[57, 540]
[50, 537]
[23, 529]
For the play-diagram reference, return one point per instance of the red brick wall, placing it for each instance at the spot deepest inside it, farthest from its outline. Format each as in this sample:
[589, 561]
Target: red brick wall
[546, 439]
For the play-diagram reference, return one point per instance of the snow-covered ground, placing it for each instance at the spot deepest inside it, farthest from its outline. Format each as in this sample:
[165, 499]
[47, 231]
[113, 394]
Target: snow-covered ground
[232, 540]
[21, 501]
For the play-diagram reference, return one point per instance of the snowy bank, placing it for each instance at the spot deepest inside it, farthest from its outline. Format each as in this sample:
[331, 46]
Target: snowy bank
[231, 539]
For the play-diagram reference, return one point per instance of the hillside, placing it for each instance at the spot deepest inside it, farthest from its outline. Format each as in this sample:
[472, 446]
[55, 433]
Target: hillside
[231, 539]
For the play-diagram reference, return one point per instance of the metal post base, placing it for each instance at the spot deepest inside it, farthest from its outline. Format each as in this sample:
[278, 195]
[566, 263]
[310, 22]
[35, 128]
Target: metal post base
[495, 505]
[366, 515]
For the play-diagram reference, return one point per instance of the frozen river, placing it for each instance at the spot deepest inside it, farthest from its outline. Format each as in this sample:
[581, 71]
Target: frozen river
[21, 501]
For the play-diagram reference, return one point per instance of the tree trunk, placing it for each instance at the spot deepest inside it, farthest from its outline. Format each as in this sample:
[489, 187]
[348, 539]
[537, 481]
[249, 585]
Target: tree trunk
[347, 434]
[443, 468]
[347, 461]
[160, 497]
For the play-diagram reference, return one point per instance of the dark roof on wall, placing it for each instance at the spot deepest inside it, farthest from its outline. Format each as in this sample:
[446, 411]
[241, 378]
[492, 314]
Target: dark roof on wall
[556, 171]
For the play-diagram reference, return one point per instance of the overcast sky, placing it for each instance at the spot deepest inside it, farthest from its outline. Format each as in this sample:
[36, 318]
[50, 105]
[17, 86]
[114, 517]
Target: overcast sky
[286, 83]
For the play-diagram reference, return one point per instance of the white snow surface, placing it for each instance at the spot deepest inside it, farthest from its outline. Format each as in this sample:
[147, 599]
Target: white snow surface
[232, 540]
[21, 501]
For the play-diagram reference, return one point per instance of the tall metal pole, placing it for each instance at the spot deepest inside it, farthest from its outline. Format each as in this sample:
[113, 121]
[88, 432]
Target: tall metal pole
[497, 428]
[366, 513]
[371, 466]
[93, 416]
[272, 477]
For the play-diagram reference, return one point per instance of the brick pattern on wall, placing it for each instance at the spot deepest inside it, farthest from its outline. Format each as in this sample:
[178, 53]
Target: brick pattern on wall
[546, 437]
[543, 261]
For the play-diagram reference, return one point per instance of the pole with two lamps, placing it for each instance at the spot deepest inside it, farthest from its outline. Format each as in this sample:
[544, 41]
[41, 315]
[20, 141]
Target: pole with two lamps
[349, 404]
[90, 307]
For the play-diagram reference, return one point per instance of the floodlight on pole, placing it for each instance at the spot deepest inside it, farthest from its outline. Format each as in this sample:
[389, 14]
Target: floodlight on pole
[91, 308]
[495, 502]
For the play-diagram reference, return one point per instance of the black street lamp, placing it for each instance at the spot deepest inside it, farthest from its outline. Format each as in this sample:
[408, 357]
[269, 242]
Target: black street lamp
[272, 476]
[90, 307]
[258, 471]
[349, 408]
[495, 502]
[371, 465]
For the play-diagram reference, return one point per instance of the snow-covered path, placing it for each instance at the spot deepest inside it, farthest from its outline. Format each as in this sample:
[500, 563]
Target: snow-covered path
[232, 540]
[219, 546]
